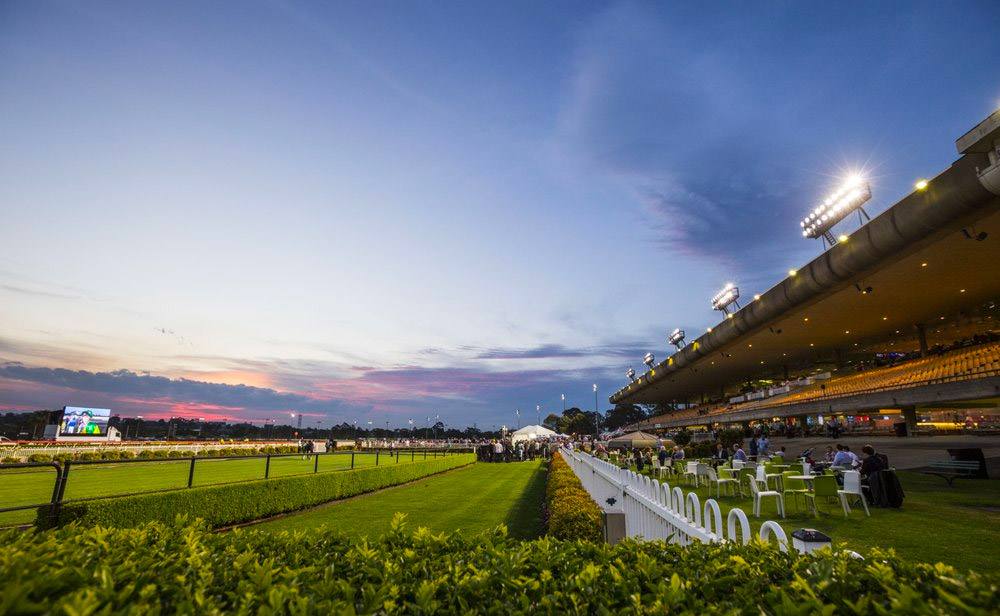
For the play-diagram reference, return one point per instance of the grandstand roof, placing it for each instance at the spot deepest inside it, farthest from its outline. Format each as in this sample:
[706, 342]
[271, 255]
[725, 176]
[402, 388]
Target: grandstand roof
[920, 265]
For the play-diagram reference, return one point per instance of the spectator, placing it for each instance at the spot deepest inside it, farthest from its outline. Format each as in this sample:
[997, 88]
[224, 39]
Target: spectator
[738, 453]
[762, 445]
[662, 455]
[720, 454]
[843, 458]
[678, 452]
[828, 456]
[873, 462]
[754, 447]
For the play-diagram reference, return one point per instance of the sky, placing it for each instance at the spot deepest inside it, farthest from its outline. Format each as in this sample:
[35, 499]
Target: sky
[378, 211]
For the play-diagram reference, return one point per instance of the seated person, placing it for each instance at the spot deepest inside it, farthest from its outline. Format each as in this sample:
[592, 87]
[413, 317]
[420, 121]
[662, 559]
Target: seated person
[873, 462]
[720, 455]
[738, 453]
[828, 456]
[662, 455]
[843, 457]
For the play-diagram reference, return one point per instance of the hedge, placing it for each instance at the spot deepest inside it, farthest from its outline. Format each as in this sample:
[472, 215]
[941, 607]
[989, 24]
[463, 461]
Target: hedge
[221, 505]
[572, 514]
[171, 569]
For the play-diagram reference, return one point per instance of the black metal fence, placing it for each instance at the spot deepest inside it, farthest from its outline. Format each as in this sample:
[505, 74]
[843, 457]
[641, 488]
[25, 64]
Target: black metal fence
[63, 472]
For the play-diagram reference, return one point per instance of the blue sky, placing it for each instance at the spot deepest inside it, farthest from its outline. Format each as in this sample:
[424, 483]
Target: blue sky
[384, 210]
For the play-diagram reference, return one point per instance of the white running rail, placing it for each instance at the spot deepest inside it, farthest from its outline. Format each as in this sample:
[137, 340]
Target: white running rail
[655, 511]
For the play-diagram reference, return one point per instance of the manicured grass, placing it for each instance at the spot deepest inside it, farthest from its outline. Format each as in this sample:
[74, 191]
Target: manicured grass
[34, 486]
[958, 525]
[471, 500]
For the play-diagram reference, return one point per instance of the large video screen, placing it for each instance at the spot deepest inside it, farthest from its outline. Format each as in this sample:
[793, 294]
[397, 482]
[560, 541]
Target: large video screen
[82, 421]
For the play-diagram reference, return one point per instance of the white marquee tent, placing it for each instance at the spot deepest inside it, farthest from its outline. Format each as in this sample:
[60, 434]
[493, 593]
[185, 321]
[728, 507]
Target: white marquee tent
[530, 433]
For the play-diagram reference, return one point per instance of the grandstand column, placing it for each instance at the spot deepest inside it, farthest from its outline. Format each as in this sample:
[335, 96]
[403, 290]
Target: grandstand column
[922, 336]
[910, 416]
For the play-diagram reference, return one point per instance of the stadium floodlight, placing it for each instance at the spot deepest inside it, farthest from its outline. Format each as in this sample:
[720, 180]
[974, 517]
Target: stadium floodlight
[848, 198]
[649, 360]
[724, 298]
[677, 338]
[630, 373]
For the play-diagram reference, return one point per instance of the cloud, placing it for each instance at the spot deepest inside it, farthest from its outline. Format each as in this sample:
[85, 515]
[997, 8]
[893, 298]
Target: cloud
[689, 136]
[132, 388]
[549, 351]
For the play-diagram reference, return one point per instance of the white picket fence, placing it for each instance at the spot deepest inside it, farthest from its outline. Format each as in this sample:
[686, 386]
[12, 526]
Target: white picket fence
[655, 511]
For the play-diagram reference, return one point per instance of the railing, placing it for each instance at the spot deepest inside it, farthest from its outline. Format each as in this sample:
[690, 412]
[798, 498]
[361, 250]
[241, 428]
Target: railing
[63, 474]
[655, 511]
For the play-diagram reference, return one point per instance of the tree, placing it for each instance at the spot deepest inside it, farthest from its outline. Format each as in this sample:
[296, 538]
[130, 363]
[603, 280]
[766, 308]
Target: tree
[623, 415]
[552, 421]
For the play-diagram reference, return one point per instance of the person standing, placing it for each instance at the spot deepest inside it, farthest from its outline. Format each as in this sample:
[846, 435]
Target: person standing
[754, 447]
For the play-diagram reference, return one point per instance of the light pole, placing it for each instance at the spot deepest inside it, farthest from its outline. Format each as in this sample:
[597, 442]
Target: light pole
[201, 426]
[563, 396]
[427, 426]
[518, 412]
[538, 409]
[355, 429]
[411, 427]
[437, 419]
[369, 435]
[291, 428]
[138, 423]
[597, 417]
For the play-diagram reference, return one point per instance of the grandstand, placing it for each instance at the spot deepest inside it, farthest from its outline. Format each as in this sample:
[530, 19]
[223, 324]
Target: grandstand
[899, 318]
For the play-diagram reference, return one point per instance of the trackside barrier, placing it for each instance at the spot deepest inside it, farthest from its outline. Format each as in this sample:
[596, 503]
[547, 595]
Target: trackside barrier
[63, 471]
[655, 511]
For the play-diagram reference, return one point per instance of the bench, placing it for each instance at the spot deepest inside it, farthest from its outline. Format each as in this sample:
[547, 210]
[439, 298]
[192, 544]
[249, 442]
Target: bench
[954, 469]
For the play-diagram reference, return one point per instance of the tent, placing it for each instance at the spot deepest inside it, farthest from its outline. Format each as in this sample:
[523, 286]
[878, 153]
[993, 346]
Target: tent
[637, 439]
[530, 433]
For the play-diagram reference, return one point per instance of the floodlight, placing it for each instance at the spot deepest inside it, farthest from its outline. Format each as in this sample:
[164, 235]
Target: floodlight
[630, 373]
[848, 198]
[921, 185]
[677, 338]
[649, 360]
[725, 297]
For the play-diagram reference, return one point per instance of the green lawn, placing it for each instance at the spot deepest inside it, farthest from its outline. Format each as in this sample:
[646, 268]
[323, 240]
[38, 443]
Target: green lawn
[957, 525]
[34, 486]
[473, 499]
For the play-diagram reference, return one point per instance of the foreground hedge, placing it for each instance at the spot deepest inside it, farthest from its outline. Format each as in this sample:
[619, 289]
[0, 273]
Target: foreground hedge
[171, 569]
[572, 514]
[222, 505]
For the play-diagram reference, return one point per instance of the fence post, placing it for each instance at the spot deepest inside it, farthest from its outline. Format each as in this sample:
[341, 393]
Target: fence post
[412, 455]
[352, 460]
[425, 454]
[267, 467]
[191, 472]
[316, 465]
[376, 457]
[62, 484]
[54, 509]
[397, 456]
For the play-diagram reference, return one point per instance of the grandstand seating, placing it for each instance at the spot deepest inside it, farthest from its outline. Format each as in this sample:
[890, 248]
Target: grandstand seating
[960, 364]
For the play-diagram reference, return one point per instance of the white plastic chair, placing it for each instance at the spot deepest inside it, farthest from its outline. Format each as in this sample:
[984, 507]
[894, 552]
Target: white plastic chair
[713, 478]
[852, 487]
[759, 495]
[737, 464]
[659, 469]
[691, 470]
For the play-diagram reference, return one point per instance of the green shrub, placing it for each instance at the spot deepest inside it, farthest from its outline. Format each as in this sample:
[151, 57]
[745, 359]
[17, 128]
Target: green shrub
[62, 458]
[682, 437]
[109, 455]
[572, 514]
[39, 457]
[160, 453]
[730, 436]
[126, 454]
[160, 568]
[221, 505]
[145, 454]
[9, 461]
[174, 454]
[89, 455]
